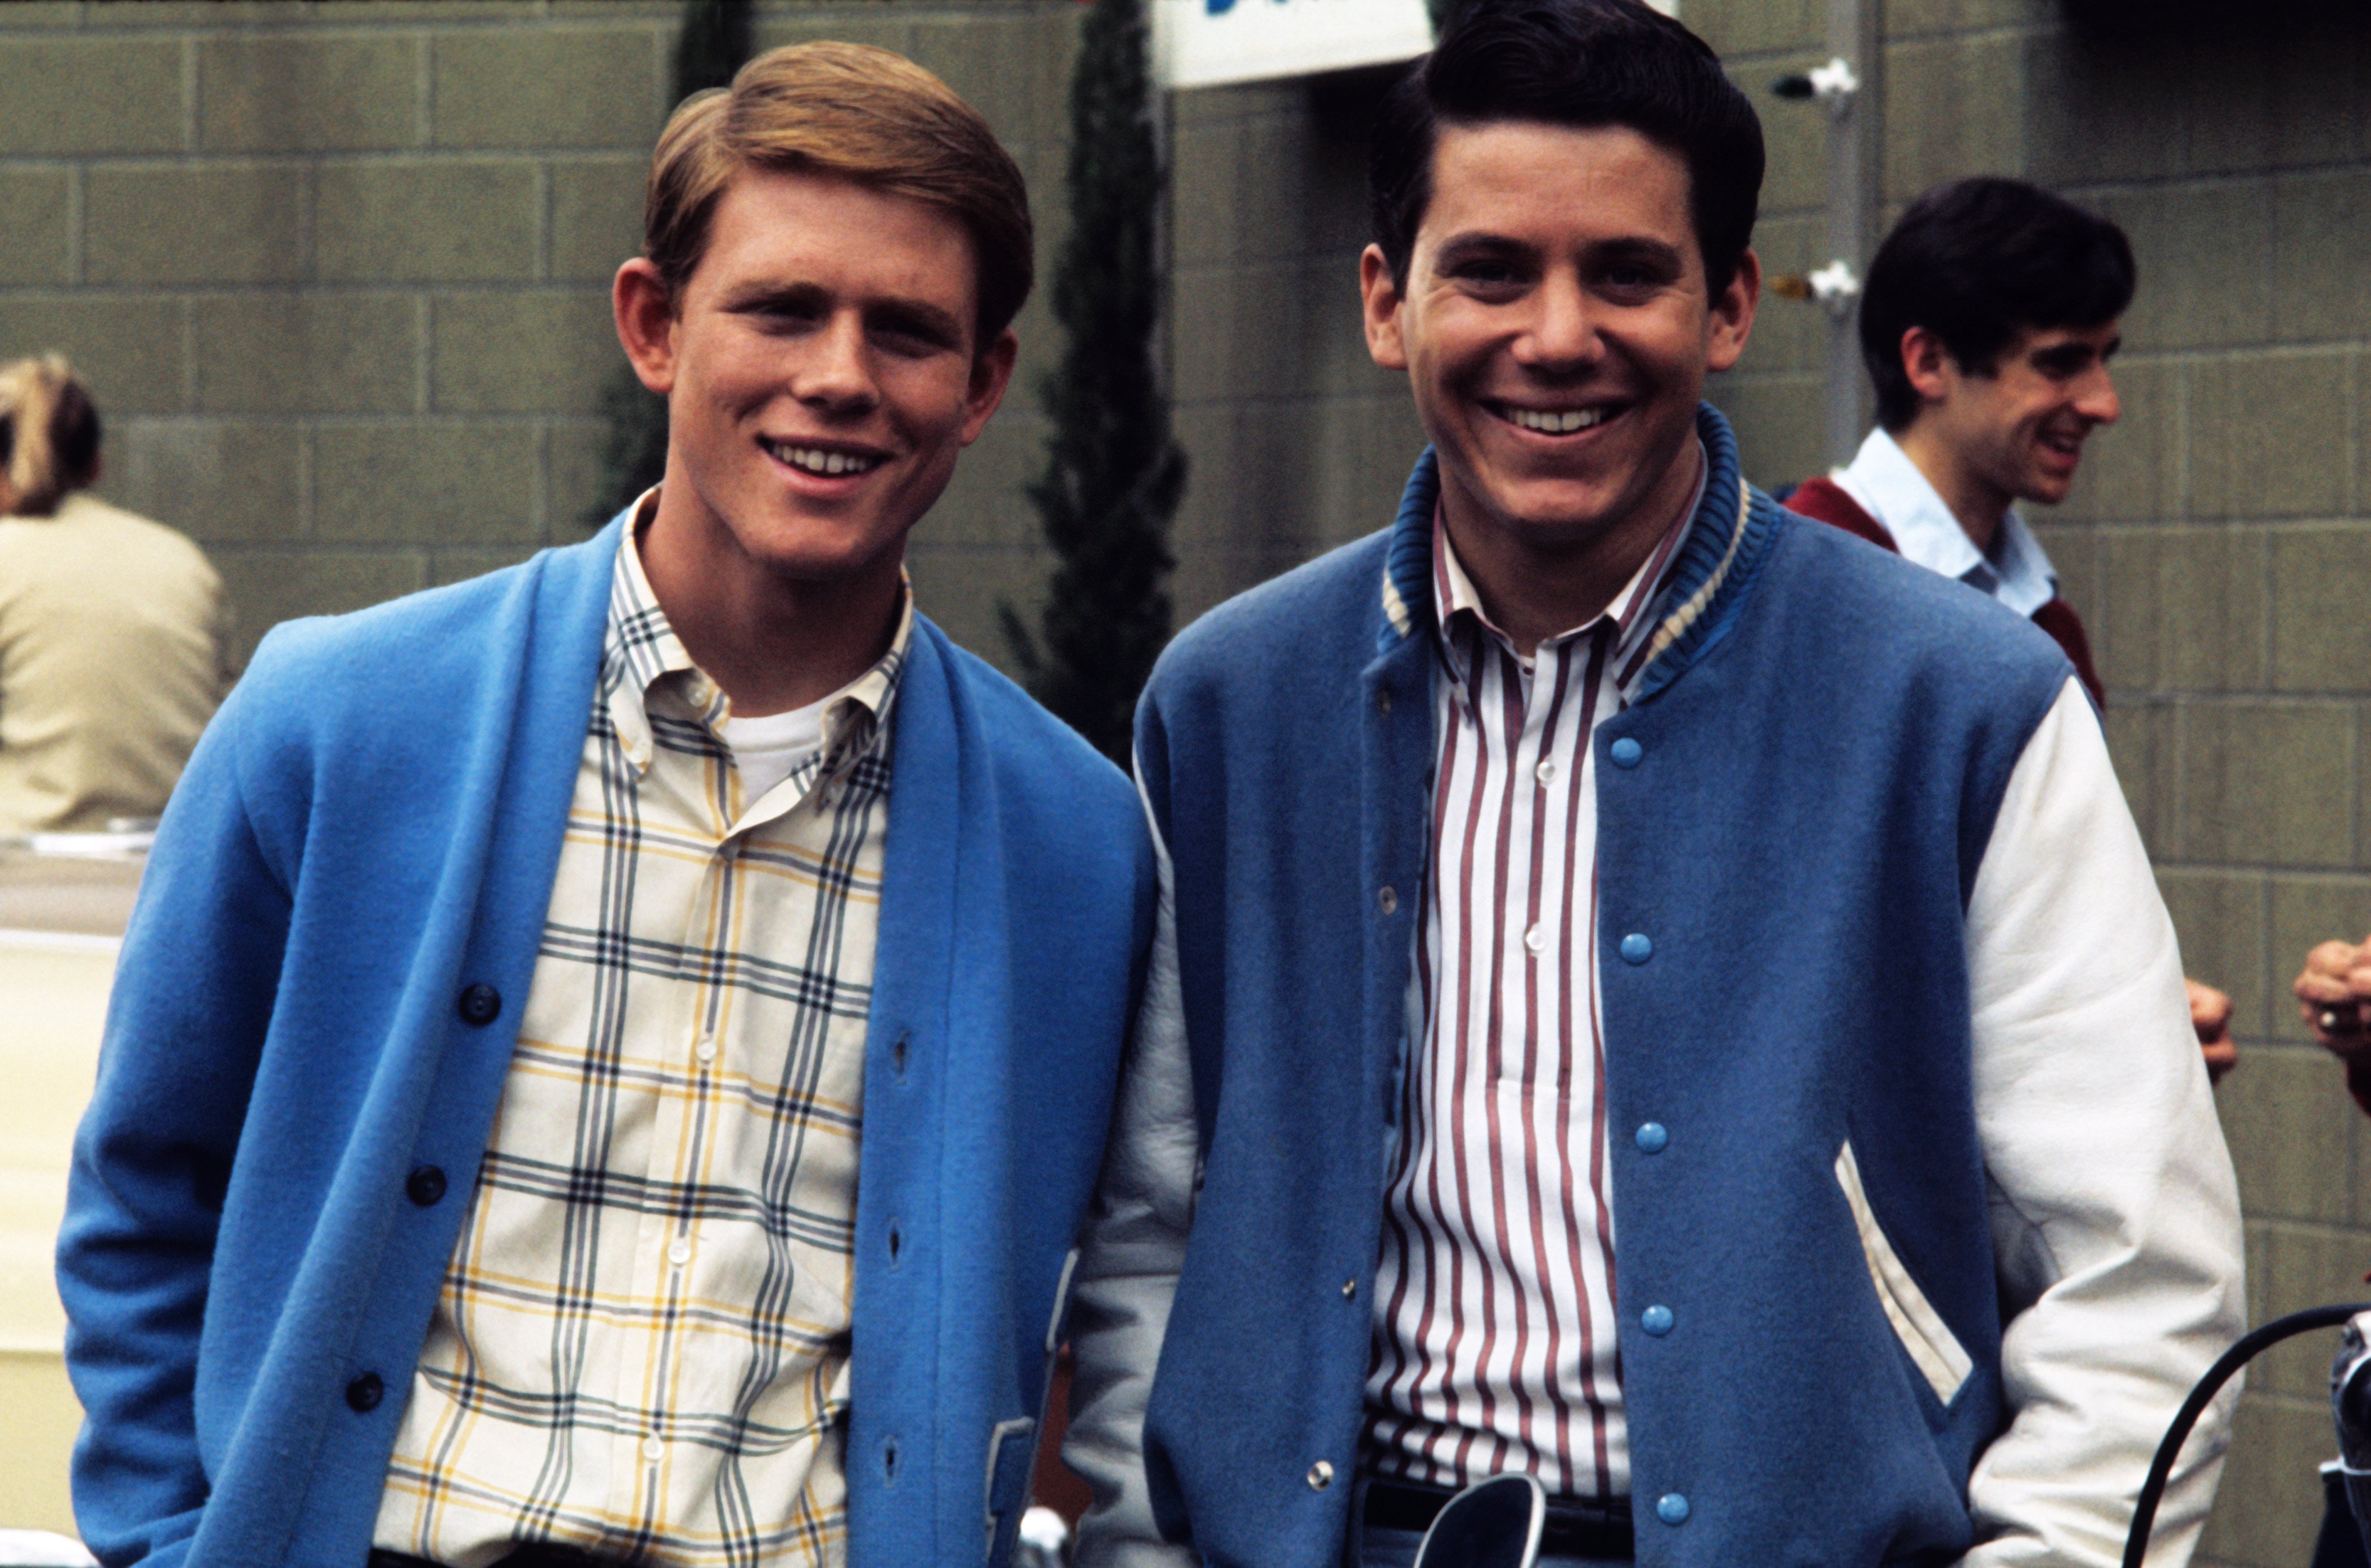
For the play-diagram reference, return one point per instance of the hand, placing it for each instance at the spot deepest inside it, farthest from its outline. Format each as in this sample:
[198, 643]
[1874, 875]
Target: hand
[2334, 997]
[2210, 1015]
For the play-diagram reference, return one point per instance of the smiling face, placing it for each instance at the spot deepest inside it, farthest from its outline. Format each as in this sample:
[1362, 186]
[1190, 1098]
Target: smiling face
[1556, 330]
[2018, 431]
[820, 371]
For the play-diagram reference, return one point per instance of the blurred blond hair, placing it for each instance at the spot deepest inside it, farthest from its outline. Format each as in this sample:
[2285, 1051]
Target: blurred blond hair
[49, 434]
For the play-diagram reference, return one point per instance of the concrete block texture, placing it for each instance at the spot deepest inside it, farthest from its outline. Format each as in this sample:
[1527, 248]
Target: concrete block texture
[2320, 640]
[554, 87]
[2288, 1134]
[544, 351]
[596, 217]
[1757, 27]
[339, 93]
[34, 215]
[418, 483]
[219, 481]
[427, 221]
[2221, 918]
[193, 224]
[127, 347]
[2205, 259]
[301, 353]
[2268, 436]
[267, 584]
[2319, 221]
[1952, 107]
[2266, 784]
[2181, 608]
[2269, 1509]
[75, 96]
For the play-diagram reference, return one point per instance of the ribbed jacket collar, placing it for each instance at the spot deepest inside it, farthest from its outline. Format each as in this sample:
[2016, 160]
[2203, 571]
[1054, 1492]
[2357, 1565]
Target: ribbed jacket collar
[1717, 557]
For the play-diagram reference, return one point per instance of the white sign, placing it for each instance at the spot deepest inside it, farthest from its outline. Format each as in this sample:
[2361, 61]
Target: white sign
[1206, 43]
[1203, 44]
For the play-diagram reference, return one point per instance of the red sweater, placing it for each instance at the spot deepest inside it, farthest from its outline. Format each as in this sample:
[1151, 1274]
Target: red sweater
[1823, 500]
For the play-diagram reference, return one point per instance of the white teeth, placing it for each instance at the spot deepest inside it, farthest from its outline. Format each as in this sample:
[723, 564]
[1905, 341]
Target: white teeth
[814, 460]
[1551, 423]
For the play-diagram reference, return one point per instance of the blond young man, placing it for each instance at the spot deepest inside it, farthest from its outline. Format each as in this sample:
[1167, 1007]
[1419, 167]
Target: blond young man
[611, 1057]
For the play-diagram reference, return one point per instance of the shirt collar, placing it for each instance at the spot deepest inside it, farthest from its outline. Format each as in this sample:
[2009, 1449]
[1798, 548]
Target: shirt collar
[640, 651]
[1890, 488]
[1454, 595]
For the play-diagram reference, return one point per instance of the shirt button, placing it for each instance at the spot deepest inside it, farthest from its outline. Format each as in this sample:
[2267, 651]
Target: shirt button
[706, 1049]
[1321, 1476]
[1535, 938]
[1547, 771]
[1656, 1320]
[680, 1253]
[653, 1449]
[1388, 902]
[1673, 1508]
[1626, 752]
[1652, 1137]
[1636, 948]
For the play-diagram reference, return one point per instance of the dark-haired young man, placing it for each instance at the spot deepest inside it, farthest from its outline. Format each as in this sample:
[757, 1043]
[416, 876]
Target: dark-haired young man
[1987, 324]
[611, 1058]
[1668, 999]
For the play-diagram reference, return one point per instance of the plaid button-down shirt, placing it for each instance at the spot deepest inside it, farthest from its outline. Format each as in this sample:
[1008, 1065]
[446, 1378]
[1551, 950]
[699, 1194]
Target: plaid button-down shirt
[641, 1345]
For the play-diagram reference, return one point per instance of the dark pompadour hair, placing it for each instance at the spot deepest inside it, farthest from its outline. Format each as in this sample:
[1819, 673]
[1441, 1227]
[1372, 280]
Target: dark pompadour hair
[1975, 262]
[1577, 62]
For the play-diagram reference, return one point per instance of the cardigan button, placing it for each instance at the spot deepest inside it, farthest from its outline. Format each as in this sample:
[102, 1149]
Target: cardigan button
[480, 1004]
[1388, 902]
[1349, 1290]
[1673, 1508]
[1321, 1476]
[1626, 752]
[1653, 1138]
[425, 1186]
[364, 1392]
[1656, 1320]
[1636, 948]
[1383, 702]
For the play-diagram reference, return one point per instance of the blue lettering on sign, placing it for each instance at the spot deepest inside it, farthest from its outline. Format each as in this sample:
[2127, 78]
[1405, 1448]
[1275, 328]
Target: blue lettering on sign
[1218, 7]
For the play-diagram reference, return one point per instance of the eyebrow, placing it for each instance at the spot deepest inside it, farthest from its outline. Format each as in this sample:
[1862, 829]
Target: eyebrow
[1629, 248]
[918, 315]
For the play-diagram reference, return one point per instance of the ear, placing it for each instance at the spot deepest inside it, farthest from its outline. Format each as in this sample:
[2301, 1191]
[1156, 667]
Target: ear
[1928, 365]
[646, 318]
[1729, 322]
[991, 372]
[1380, 299]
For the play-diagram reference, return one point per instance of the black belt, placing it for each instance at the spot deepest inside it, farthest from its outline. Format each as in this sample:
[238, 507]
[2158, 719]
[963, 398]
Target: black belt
[527, 1555]
[1576, 1526]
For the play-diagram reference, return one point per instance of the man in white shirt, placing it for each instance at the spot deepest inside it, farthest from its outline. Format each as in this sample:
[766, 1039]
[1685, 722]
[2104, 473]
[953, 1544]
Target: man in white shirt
[1987, 325]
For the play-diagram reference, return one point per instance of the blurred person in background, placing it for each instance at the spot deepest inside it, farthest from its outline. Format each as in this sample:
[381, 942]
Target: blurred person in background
[114, 632]
[1987, 323]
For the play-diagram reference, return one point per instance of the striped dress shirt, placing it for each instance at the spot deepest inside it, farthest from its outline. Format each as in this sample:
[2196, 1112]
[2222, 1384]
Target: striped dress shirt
[1495, 1347]
[641, 1345]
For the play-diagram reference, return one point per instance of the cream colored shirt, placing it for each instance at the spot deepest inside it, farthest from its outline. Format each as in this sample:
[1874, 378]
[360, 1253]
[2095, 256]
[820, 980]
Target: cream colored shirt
[641, 1346]
[114, 651]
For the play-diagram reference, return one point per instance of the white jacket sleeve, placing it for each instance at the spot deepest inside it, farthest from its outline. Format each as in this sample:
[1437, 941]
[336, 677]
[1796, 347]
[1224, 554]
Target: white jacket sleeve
[1128, 1266]
[2114, 1213]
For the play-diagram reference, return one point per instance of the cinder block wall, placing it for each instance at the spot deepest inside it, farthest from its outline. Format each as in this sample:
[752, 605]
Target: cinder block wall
[339, 272]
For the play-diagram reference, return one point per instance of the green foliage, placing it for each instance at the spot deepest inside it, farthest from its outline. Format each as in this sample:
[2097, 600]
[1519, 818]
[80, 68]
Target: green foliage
[1113, 476]
[716, 41]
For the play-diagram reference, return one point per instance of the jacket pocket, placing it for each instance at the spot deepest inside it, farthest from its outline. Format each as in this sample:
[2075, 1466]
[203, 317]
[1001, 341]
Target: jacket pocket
[1932, 1348]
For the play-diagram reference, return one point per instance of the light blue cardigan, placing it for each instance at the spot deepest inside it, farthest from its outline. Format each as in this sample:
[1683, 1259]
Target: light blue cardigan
[371, 826]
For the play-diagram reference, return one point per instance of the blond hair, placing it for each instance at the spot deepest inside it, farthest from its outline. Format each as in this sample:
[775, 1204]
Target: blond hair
[858, 112]
[49, 434]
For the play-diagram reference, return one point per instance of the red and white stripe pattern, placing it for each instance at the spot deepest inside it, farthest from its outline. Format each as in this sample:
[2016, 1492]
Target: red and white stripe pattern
[1494, 1345]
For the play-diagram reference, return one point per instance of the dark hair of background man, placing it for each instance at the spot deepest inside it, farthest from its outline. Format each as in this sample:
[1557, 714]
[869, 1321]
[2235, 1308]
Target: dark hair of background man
[1582, 63]
[1977, 261]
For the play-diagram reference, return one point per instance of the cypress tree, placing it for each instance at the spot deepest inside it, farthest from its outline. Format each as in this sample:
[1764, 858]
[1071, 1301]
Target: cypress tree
[716, 41]
[1113, 476]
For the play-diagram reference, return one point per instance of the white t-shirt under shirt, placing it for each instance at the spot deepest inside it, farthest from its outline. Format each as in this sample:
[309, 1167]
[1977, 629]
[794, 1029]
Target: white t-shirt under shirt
[772, 749]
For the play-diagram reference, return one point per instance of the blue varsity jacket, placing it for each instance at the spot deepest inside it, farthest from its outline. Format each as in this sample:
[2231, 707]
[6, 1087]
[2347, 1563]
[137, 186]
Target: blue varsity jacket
[1809, 774]
[366, 835]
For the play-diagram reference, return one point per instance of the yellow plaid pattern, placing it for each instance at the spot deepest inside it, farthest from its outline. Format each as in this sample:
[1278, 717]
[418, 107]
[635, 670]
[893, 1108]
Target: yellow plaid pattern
[641, 1345]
